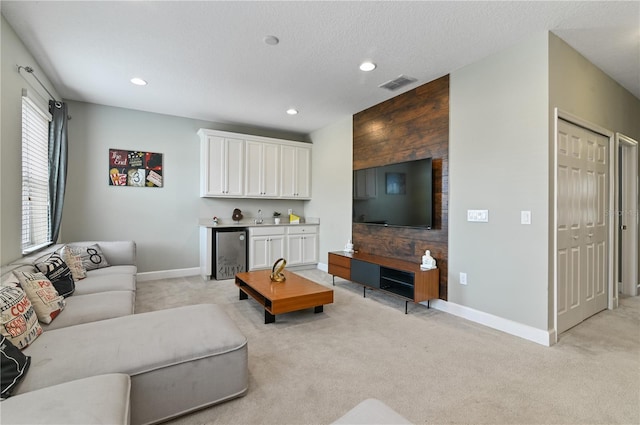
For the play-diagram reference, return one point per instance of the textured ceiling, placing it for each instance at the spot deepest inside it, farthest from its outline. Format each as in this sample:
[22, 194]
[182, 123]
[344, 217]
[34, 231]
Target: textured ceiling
[208, 60]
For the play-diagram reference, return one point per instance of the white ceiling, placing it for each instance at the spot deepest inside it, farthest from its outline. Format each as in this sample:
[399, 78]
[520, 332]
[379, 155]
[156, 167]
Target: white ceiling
[207, 60]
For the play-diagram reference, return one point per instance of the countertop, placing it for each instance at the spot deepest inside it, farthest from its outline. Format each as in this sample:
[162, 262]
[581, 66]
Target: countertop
[268, 222]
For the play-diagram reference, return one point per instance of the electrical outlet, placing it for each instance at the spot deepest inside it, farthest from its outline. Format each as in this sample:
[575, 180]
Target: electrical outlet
[525, 217]
[289, 211]
[481, 216]
[463, 278]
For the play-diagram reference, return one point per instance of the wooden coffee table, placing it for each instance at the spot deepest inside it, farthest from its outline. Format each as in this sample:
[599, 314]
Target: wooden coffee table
[295, 293]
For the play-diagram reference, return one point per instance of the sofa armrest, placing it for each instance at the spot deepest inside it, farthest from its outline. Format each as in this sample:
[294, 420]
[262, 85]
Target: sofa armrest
[118, 253]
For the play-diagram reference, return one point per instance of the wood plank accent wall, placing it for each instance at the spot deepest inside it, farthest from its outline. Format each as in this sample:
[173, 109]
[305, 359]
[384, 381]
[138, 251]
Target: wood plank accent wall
[413, 125]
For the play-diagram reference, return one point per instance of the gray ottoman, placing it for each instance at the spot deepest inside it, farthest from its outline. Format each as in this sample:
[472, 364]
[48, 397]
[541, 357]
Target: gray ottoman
[179, 359]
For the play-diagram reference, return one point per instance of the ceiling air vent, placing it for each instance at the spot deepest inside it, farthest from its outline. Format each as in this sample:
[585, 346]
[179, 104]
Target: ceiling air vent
[396, 83]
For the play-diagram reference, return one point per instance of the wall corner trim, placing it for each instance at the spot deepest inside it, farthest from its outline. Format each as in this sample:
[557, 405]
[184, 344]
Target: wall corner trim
[546, 338]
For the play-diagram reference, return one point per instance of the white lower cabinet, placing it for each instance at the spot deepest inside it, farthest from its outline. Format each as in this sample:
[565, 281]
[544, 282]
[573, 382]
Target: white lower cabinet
[298, 244]
[266, 245]
[302, 245]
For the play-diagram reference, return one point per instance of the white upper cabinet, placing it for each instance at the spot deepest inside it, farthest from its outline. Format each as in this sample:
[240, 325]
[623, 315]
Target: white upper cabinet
[296, 172]
[262, 169]
[244, 166]
[221, 166]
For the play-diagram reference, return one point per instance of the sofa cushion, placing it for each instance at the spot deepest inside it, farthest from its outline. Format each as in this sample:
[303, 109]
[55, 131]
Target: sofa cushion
[46, 301]
[74, 261]
[130, 269]
[13, 364]
[94, 284]
[92, 256]
[102, 399]
[93, 307]
[57, 271]
[9, 278]
[117, 252]
[18, 320]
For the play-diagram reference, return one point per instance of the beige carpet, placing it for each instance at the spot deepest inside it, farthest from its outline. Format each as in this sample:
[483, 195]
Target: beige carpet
[431, 367]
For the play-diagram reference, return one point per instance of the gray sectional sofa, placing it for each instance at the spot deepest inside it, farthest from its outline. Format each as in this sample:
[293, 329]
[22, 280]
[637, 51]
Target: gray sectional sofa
[139, 368]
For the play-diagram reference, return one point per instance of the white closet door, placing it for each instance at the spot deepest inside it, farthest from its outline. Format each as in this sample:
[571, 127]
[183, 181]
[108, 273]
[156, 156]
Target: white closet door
[582, 226]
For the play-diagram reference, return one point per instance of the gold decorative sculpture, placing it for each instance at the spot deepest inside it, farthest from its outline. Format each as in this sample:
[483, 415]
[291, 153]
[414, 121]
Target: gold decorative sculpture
[276, 270]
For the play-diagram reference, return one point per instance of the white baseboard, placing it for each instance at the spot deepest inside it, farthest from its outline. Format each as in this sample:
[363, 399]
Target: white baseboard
[546, 338]
[167, 274]
[324, 267]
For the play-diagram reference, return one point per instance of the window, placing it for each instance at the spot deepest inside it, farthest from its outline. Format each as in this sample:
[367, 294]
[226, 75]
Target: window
[36, 224]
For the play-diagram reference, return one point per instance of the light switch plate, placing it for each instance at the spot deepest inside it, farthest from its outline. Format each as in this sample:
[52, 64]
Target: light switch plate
[481, 216]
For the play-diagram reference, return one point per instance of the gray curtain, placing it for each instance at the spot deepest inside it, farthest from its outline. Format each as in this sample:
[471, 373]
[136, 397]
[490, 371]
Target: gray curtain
[57, 164]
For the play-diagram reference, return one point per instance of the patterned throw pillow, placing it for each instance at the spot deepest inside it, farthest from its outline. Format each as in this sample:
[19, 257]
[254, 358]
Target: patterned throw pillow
[74, 262]
[57, 271]
[46, 301]
[92, 256]
[14, 365]
[18, 320]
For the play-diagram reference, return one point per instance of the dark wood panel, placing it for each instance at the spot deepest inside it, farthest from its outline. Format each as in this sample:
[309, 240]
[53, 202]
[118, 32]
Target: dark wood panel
[413, 125]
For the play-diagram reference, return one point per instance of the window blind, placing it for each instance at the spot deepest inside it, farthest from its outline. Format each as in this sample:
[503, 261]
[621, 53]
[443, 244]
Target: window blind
[36, 224]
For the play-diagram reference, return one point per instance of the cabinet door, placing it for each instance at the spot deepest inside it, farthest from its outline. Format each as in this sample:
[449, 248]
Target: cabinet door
[234, 166]
[212, 167]
[365, 273]
[277, 248]
[296, 172]
[253, 169]
[262, 162]
[303, 172]
[295, 249]
[222, 167]
[259, 252]
[271, 169]
[310, 249]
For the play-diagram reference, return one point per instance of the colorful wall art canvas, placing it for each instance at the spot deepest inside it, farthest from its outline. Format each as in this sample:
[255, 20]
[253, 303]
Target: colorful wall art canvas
[135, 168]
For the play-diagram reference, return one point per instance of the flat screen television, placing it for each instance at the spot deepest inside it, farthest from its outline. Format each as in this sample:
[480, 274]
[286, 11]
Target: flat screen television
[394, 195]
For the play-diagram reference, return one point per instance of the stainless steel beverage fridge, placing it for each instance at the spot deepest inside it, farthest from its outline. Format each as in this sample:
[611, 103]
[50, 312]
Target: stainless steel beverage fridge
[229, 252]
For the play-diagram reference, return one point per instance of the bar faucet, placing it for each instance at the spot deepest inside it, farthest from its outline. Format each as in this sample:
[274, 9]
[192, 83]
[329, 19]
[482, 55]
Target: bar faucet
[259, 219]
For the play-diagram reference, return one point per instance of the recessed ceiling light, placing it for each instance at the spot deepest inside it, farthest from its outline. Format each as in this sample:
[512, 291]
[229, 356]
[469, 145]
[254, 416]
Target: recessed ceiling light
[292, 111]
[271, 40]
[138, 81]
[367, 66]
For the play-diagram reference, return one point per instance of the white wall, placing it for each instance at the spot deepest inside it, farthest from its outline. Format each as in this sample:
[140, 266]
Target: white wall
[501, 159]
[580, 88]
[331, 178]
[14, 53]
[498, 153]
[162, 221]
